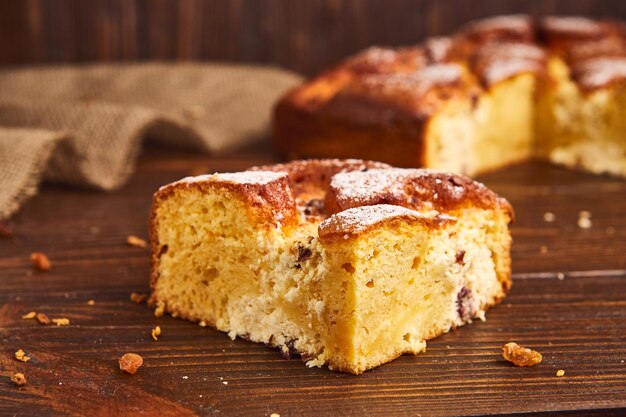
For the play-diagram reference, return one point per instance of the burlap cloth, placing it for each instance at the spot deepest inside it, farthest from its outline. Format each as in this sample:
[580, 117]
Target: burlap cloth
[84, 125]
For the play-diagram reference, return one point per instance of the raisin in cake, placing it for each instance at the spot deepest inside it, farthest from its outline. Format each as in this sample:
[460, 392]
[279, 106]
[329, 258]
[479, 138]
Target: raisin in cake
[346, 263]
[497, 92]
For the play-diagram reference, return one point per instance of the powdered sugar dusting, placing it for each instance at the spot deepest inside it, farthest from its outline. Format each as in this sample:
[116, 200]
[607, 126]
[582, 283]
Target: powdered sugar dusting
[362, 187]
[245, 177]
[438, 49]
[358, 219]
[572, 25]
[251, 177]
[597, 73]
[375, 54]
[509, 67]
[513, 23]
[418, 189]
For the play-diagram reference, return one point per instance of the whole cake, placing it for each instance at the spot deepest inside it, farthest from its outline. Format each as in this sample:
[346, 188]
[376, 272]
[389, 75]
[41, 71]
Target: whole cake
[347, 263]
[497, 92]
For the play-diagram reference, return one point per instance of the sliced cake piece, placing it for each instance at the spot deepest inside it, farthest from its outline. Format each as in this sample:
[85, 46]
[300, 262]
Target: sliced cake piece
[346, 263]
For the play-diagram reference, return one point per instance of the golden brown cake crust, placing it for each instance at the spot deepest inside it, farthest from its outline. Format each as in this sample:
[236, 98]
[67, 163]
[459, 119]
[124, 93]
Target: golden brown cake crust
[417, 189]
[354, 221]
[267, 195]
[378, 103]
[314, 175]
[321, 188]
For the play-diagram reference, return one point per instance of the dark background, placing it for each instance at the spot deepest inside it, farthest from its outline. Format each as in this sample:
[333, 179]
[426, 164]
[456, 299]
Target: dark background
[302, 35]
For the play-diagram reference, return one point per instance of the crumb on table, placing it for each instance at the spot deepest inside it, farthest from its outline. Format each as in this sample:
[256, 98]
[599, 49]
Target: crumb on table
[156, 332]
[20, 355]
[136, 242]
[520, 356]
[18, 379]
[30, 315]
[584, 219]
[40, 261]
[130, 363]
[61, 321]
[43, 318]
[138, 298]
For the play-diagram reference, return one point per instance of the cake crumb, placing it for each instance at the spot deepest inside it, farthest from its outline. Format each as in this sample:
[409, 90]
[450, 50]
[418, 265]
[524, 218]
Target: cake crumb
[136, 242]
[225, 382]
[91, 302]
[560, 276]
[274, 415]
[18, 379]
[61, 321]
[543, 249]
[185, 377]
[30, 315]
[130, 363]
[156, 332]
[138, 298]
[520, 356]
[560, 372]
[584, 219]
[20, 355]
[549, 217]
[43, 318]
[40, 261]
[202, 323]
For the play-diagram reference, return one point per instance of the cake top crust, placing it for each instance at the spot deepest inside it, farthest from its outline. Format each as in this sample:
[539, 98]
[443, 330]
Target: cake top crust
[572, 27]
[418, 189]
[412, 94]
[379, 60]
[354, 221]
[266, 193]
[312, 176]
[596, 73]
[345, 196]
[381, 84]
[250, 177]
[245, 177]
[500, 28]
[496, 62]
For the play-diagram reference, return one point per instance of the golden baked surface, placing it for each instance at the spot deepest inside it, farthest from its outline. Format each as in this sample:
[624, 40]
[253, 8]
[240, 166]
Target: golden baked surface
[347, 263]
[501, 86]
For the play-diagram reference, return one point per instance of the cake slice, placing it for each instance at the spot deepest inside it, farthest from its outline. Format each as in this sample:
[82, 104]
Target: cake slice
[348, 264]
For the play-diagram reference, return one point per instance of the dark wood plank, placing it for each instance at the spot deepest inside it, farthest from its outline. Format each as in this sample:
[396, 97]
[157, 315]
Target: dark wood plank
[305, 36]
[578, 323]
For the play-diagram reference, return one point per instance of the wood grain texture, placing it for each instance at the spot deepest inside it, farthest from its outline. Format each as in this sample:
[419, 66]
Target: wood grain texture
[577, 323]
[304, 35]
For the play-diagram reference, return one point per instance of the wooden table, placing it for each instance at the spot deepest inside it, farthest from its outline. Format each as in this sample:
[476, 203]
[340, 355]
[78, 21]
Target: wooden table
[576, 319]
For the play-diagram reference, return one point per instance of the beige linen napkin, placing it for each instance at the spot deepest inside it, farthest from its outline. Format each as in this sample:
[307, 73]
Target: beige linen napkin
[84, 125]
